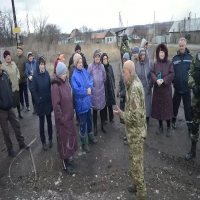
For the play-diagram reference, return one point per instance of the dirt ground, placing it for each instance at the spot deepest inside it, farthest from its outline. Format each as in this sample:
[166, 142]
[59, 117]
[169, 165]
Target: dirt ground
[104, 173]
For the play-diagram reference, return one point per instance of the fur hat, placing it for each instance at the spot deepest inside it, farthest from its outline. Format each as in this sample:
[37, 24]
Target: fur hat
[78, 47]
[6, 53]
[161, 47]
[76, 58]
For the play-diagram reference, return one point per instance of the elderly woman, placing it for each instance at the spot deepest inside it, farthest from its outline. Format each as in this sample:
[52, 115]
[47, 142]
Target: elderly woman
[82, 85]
[162, 75]
[41, 91]
[64, 117]
[97, 71]
[143, 71]
[109, 86]
[11, 68]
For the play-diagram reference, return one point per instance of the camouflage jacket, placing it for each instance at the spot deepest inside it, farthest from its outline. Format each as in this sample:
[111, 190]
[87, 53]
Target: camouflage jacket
[135, 114]
[191, 81]
[125, 48]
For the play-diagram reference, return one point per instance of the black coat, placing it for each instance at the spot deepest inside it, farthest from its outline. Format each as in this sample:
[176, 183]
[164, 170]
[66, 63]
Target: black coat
[85, 65]
[181, 64]
[6, 99]
[41, 91]
[110, 86]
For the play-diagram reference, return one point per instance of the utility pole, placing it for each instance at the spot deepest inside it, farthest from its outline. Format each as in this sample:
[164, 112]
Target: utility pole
[15, 22]
[154, 27]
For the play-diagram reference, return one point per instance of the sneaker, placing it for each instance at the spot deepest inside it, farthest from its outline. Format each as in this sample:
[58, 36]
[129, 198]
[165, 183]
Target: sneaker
[12, 153]
[44, 146]
[28, 109]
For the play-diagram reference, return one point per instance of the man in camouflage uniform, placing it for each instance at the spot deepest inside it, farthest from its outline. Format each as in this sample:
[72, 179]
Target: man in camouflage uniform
[125, 47]
[135, 126]
[194, 83]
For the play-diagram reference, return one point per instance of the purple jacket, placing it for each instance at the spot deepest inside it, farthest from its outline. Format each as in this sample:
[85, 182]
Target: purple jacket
[98, 93]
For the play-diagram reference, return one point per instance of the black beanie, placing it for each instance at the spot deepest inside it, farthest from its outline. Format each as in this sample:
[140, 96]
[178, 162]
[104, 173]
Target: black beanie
[78, 47]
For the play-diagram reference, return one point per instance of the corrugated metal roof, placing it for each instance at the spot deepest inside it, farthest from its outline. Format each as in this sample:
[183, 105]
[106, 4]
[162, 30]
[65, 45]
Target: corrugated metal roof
[186, 25]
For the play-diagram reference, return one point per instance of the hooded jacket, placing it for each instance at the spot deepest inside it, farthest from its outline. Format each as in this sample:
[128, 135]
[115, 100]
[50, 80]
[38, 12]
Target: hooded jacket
[41, 91]
[181, 64]
[81, 80]
[6, 99]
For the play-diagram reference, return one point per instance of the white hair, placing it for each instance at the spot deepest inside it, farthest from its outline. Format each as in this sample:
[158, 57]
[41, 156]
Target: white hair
[182, 39]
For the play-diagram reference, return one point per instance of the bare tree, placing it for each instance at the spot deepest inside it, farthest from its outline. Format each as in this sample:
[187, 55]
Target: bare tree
[52, 34]
[86, 33]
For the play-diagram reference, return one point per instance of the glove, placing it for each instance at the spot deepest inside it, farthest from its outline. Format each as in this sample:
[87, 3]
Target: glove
[196, 90]
[30, 78]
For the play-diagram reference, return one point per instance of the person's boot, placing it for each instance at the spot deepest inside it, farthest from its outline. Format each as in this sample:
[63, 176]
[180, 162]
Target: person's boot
[12, 153]
[122, 121]
[19, 114]
[50, 143]
[91, 139]
[22, 108]
[68, 167]
[132, 189]
[103, 127]
[44, 146]
[174, 122]
[160, 130]
[169, 132]
[95, 129]
[23, 146]
[85, 147]
[192, 153]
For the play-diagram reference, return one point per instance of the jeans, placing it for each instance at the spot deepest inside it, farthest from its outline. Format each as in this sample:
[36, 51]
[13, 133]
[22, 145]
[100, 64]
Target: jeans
[85, 122]
[23, 92]
[49, 126]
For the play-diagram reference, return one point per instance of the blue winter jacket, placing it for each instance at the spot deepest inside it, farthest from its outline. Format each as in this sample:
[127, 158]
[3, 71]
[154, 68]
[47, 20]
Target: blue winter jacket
[80, 82]
[41, 91]
[181, 64]
[30, 67]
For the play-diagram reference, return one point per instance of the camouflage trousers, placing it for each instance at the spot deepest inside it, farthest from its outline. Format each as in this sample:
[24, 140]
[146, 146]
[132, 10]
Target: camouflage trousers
[195, 124]
[136, 156]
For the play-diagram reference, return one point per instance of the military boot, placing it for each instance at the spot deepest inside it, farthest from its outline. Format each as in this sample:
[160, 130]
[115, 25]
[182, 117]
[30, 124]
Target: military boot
[92, 140]
[192, 153]
[85, 147]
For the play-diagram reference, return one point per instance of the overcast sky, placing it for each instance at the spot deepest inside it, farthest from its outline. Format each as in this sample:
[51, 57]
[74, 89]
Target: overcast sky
[105, 13]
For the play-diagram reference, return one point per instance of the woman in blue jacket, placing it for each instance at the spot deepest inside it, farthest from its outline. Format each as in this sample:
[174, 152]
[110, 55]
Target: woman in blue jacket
[82, 85]
[41, 91]
[30, 69]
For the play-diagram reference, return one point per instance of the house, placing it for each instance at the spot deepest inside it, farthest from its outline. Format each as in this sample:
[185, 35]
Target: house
[63, 39]
[75, 37]
[98, 37]
[110, 37]
[188, 28]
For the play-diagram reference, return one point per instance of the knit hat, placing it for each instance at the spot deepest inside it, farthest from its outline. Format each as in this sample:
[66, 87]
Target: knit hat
[78, 47]
[135, 50]
[29, 54]
[97, 52]
[61, 57]
[61, 69]
[19, 47]
[76, 58]
[124, 37]
[6, 53]
[126, 56]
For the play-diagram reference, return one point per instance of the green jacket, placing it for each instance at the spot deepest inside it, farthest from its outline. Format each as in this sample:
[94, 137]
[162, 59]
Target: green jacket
[13, 73]
[134, 115]
[21, 64]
